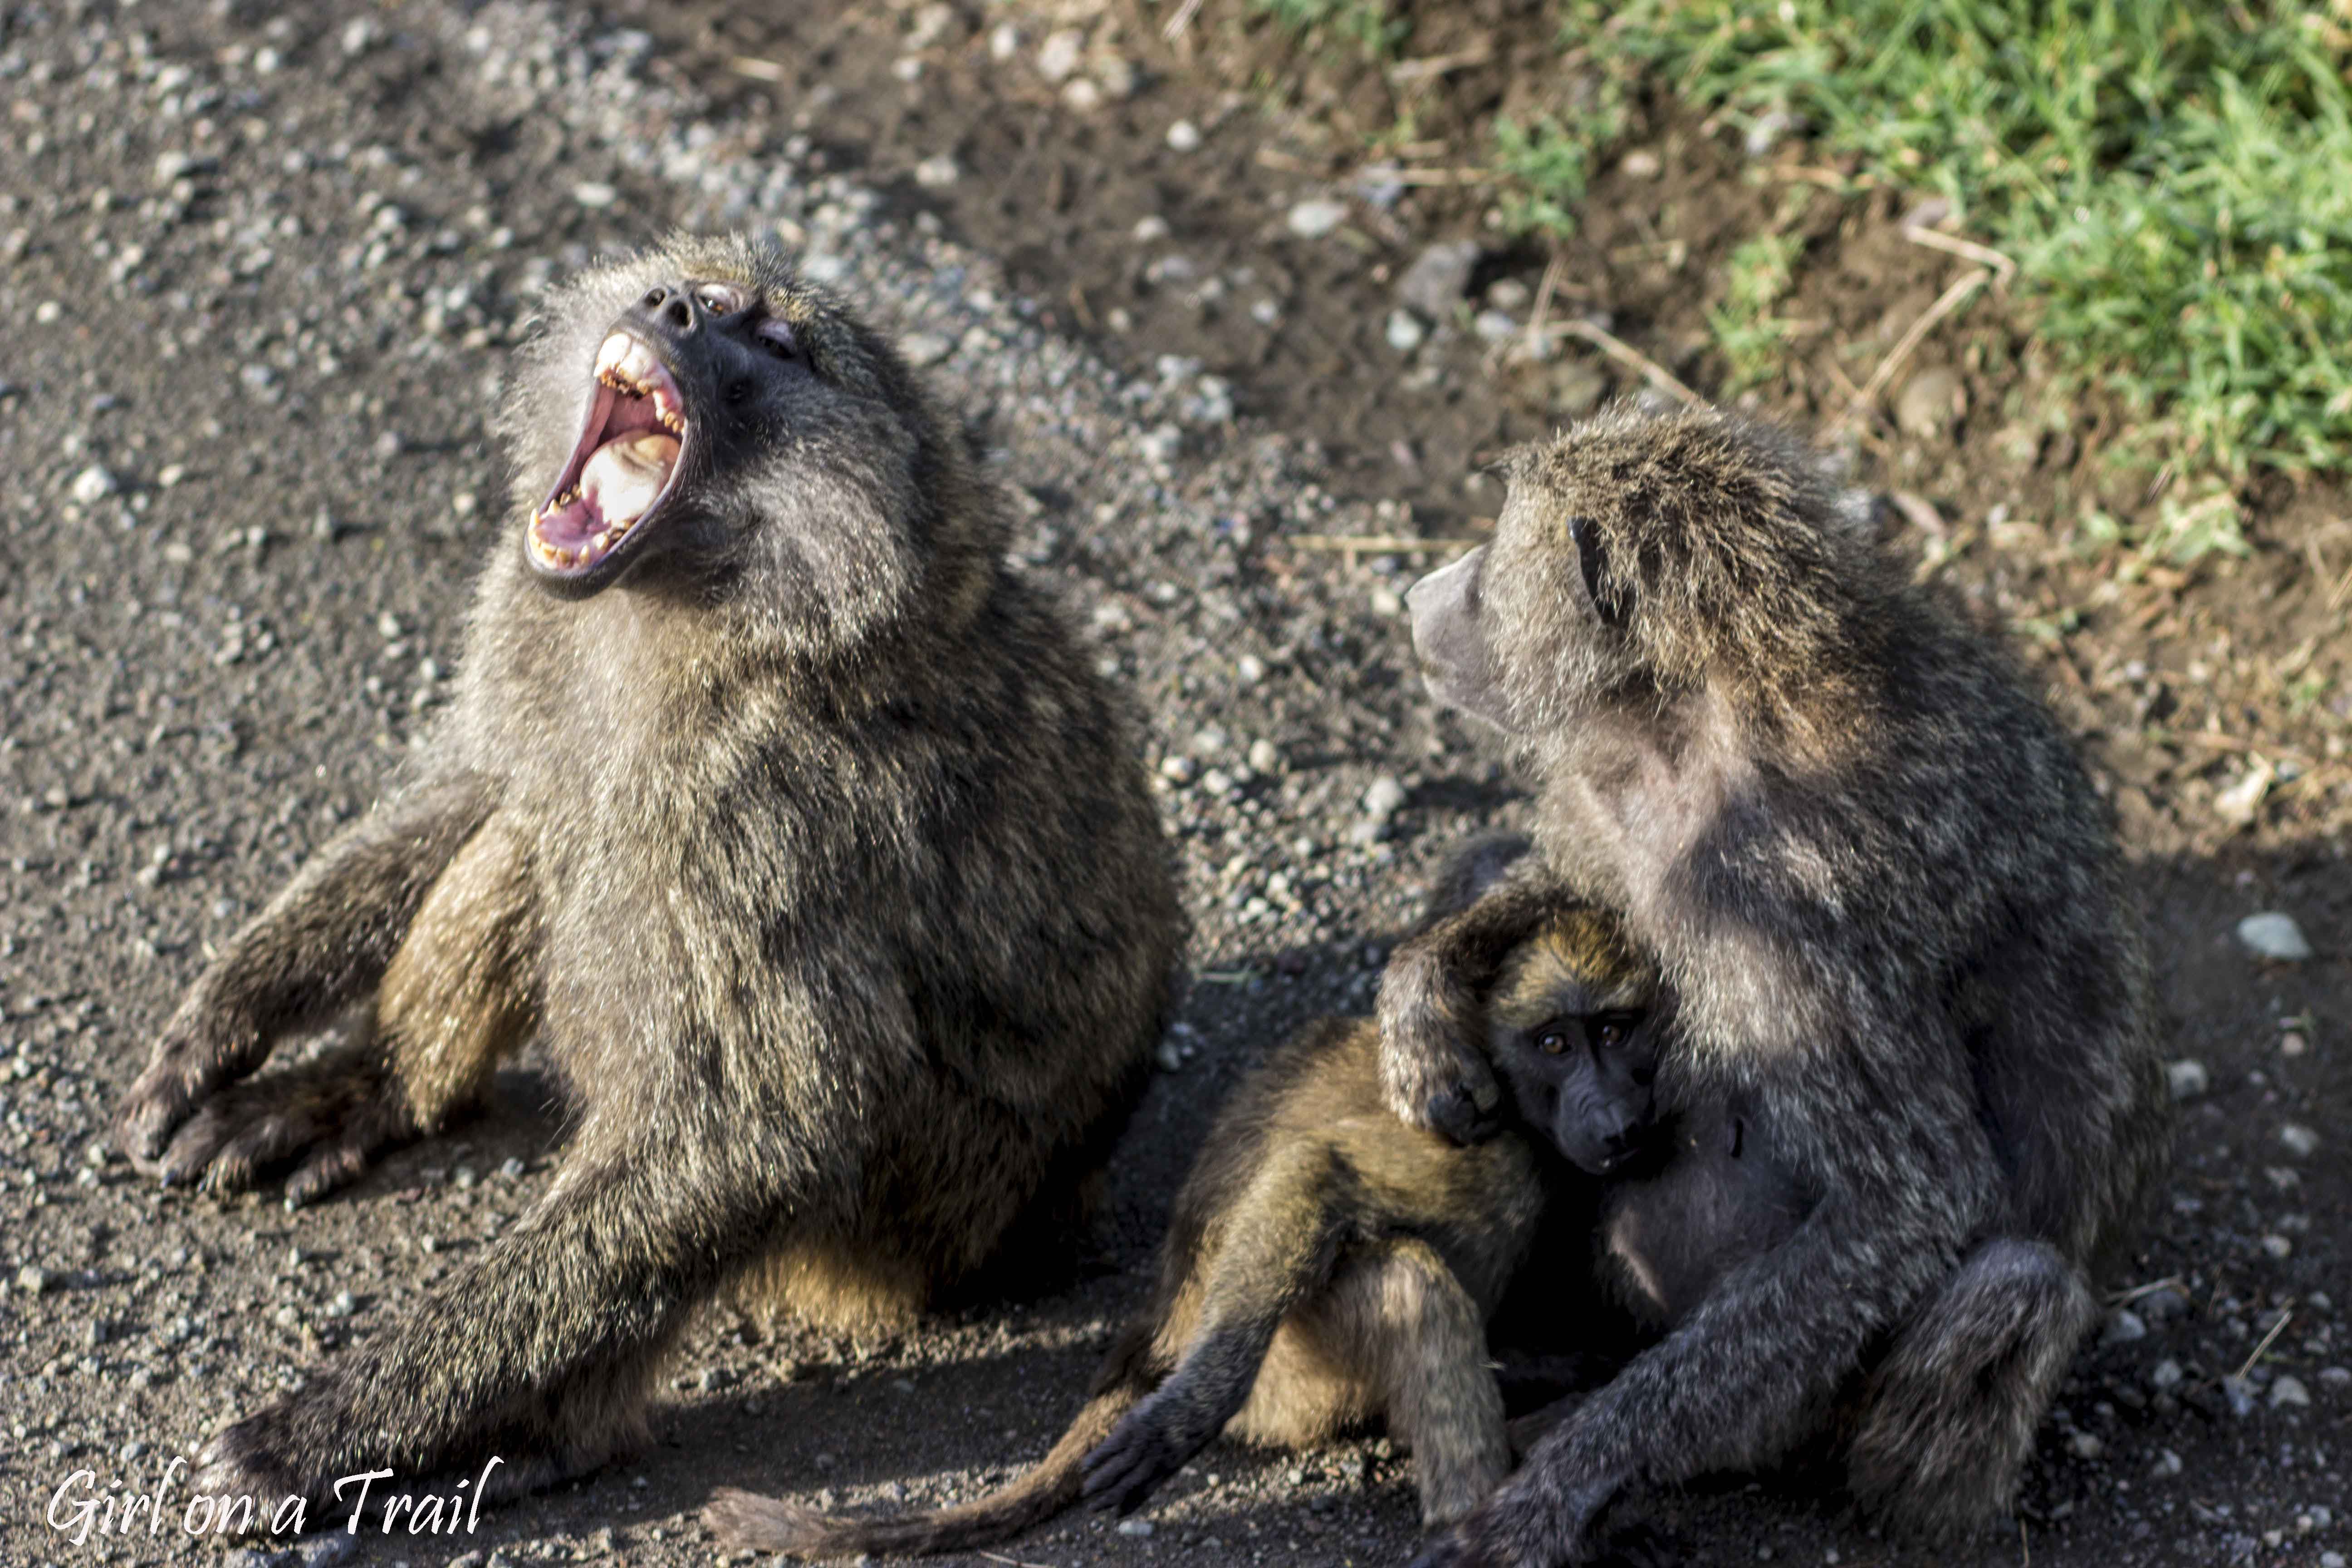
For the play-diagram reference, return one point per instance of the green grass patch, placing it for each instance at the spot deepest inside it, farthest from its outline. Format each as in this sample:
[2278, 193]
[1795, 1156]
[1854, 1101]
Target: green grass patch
[1757, 277]
[1372, 26]
[2174, 178]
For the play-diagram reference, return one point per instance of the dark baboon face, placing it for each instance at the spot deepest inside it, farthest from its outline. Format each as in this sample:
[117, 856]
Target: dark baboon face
[699, 418]
[1638, 558]
[1571, 1032]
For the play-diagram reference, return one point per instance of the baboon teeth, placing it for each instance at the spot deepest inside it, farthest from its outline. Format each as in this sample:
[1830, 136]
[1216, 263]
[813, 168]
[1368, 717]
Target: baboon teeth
[623, 463]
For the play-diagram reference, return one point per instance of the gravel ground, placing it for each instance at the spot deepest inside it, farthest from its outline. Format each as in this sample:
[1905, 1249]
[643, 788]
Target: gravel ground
[260, 270]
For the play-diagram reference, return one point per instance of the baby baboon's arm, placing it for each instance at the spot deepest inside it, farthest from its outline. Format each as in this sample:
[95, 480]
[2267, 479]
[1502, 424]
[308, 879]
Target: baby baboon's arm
[321, 942]
[1431, 1065]
[1276, 1250]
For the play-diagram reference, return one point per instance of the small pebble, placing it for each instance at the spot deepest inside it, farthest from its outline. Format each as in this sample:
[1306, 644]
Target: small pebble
[1405, 332]
[1384, 797]
[2289, 1392]
[2124, 1326]
[1059, 56]
[1264, 756]
[32, 1280]
[1183, 137]
[2299, 1141]
[1316, 218]
[594, 193]
[1135, 1527]
[2278, 1248]
[93, 484]
[937, 172]
[2085, 1445]
[2276, 936]
[1438, 278]
[2188, 1078]
[2167, 1375]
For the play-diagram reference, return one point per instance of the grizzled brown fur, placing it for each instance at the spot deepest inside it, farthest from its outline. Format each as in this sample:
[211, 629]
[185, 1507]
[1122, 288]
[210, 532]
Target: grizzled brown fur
[805, 838]
[1325, 1264]
[1888, 903]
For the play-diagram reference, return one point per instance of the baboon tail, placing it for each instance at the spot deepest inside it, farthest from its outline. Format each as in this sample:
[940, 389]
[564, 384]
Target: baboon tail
[1948, 1416]
[770, 1524]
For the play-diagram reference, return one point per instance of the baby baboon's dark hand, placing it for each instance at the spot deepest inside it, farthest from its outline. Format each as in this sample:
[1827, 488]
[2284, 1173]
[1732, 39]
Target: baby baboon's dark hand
[1127, 1466]
[1456, 1114]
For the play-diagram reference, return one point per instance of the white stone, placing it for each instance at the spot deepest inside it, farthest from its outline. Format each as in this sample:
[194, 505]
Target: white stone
[2275, 935]
[2188, 1078]
[936, 172]
[1183, 137]
[1060, 54]
[1317, 216]
[93, 484]
[2299, 1141]
[1405, 332]
[1385, 796]
[2289, 1392]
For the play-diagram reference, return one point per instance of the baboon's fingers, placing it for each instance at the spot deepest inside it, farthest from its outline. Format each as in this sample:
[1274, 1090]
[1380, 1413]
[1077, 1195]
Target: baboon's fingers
[182, 1073]
[1126, 1467]
[240, 1461]
[227, 1144]
[330, 1166]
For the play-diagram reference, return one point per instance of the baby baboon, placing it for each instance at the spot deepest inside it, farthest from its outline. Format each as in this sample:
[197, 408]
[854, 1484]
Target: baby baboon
[1326, 1263]
[1887, 902]
[792, 819]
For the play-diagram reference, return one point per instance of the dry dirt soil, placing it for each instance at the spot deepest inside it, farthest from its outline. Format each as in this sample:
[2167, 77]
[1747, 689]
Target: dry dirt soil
[260, 267]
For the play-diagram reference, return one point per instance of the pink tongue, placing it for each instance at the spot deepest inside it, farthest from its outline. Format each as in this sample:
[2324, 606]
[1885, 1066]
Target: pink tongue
[622, 478]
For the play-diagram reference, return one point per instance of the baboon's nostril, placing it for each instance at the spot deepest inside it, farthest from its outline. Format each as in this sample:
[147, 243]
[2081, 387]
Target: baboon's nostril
[681, 313]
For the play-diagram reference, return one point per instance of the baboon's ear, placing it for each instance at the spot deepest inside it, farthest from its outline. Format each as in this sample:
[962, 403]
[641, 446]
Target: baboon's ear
[1613, 601]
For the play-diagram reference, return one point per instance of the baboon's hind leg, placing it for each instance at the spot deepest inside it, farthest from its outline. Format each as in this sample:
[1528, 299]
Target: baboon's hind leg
[1949, 1417]
[1427, 1337]
[459, 995]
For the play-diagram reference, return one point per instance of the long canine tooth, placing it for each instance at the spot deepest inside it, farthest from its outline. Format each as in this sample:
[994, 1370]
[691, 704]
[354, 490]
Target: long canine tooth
[601, 542]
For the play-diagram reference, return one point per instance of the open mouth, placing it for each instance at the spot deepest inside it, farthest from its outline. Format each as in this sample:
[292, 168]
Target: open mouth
[622, 467]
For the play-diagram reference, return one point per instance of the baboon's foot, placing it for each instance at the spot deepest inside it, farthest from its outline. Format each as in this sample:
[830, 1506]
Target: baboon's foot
[328, 1117]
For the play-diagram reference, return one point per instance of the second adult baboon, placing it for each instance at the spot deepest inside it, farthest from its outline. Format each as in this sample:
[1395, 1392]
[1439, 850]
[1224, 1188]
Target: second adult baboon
[1888, 903]
[794, 820]
[1327, 1264]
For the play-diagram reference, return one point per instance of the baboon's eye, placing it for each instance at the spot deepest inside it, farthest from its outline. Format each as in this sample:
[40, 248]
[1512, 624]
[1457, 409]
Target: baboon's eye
[1551, 1042]
[1610, 1032]
[718, 300]
[780, 338]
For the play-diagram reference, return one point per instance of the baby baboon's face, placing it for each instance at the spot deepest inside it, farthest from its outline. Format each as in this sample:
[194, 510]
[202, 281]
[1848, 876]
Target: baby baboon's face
[697, 416]
[1570, 1030]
